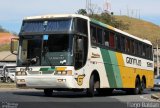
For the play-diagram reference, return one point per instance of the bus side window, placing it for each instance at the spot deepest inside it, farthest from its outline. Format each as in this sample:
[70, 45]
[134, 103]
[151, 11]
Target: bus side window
[147, 52]
[127, 45]
[136, 48]
[99, 35]
[151, 52]
[132, 50]
[106, 38]
[111, 40]
[122, 43]
[118, 42]
[144, 51]
[140, 49]
[93, 34]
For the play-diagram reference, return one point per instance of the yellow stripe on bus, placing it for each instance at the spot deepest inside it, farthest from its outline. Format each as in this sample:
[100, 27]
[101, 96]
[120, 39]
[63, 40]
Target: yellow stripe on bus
[128, 74]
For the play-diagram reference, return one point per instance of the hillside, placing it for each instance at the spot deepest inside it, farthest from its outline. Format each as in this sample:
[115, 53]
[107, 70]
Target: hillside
[141, 28]
[5, 39]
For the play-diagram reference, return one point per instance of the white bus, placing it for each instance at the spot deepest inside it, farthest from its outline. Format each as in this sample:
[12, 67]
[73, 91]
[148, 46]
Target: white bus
[75, 52]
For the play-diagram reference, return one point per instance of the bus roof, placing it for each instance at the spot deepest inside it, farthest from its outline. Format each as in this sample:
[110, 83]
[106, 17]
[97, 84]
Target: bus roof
[56, 16]
[87, 18]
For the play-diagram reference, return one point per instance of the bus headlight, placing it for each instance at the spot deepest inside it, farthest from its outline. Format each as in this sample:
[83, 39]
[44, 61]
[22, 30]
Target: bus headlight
[23, 73]
[66, 72]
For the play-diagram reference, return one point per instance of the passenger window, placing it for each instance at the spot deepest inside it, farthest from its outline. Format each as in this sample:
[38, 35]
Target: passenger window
[127, 45]
[136, 48]
[111, 40]
[118, 42]
[122, 43]
[93, 34]
[140, 49]
[106, 38]
[99, 35]
[131, 46]
[144, 51]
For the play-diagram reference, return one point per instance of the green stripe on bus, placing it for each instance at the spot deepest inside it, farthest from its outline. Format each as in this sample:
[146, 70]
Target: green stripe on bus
[47, 69]
[112, 69]
[116, 69]
[99, 23]
[108, 68]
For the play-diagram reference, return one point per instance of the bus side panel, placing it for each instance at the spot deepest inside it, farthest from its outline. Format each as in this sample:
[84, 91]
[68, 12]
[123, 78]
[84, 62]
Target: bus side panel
[112, 69]
[128, 74]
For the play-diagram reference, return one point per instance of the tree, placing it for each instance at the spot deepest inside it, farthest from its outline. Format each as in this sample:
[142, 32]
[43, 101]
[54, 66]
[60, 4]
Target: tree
[82, 11]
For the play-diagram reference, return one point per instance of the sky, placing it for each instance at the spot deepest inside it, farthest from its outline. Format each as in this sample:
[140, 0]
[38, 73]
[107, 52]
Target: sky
[12, 12]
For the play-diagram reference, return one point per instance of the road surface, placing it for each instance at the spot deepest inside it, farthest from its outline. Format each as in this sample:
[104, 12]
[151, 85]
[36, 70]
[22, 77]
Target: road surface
[24, 98]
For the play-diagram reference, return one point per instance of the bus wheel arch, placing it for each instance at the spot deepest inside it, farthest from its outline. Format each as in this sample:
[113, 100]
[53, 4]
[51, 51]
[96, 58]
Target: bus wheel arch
[137, 88]
[143, 84]
[94, 83]
[96, 78]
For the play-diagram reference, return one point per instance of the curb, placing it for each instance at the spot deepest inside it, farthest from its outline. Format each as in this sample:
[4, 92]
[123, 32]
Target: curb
[154, 96]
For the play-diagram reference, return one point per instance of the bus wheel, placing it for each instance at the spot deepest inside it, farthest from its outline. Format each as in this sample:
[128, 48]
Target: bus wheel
[48, 92]
[137, 88]
[9, 80]
[90, 90]
[143, 86]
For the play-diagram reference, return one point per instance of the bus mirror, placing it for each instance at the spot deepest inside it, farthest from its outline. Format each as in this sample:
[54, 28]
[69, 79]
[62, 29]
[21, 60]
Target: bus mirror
[14, 46]
[80, 44]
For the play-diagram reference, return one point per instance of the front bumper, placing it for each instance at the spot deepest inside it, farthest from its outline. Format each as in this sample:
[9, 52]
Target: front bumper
[47, 81]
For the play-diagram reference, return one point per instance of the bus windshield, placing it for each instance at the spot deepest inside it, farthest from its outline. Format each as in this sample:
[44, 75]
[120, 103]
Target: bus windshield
[55, 50]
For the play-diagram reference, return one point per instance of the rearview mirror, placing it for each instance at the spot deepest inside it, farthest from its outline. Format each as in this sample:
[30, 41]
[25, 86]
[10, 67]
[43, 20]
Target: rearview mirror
[80, 44]
[14, 46]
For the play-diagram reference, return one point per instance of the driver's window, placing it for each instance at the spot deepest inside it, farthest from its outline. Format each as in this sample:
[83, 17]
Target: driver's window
[80, 55]
[24, 50]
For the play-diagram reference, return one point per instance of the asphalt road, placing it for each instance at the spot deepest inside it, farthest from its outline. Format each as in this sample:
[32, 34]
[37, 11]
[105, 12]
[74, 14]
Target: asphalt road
[31, 98]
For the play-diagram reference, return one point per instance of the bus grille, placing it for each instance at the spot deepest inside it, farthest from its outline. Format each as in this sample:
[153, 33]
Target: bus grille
[34, 72]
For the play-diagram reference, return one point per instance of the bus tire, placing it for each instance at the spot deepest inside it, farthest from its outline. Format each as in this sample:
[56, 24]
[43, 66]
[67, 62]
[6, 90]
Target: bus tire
[90, 90]
[137, 88]
[143, 86]
[9, 80]
[48, 92]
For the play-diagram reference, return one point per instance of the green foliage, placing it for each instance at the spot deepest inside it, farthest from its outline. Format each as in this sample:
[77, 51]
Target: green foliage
[82, 11]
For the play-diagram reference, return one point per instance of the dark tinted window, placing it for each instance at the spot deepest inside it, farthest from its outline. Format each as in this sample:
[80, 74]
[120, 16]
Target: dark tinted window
[118, 42]
[111, 40]
[140, 49]
[106, 38]
[122, 43]
[99, 35]
[93, 34]
[136, 47]
[81, 26]
[132, 48]
[127, 45]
